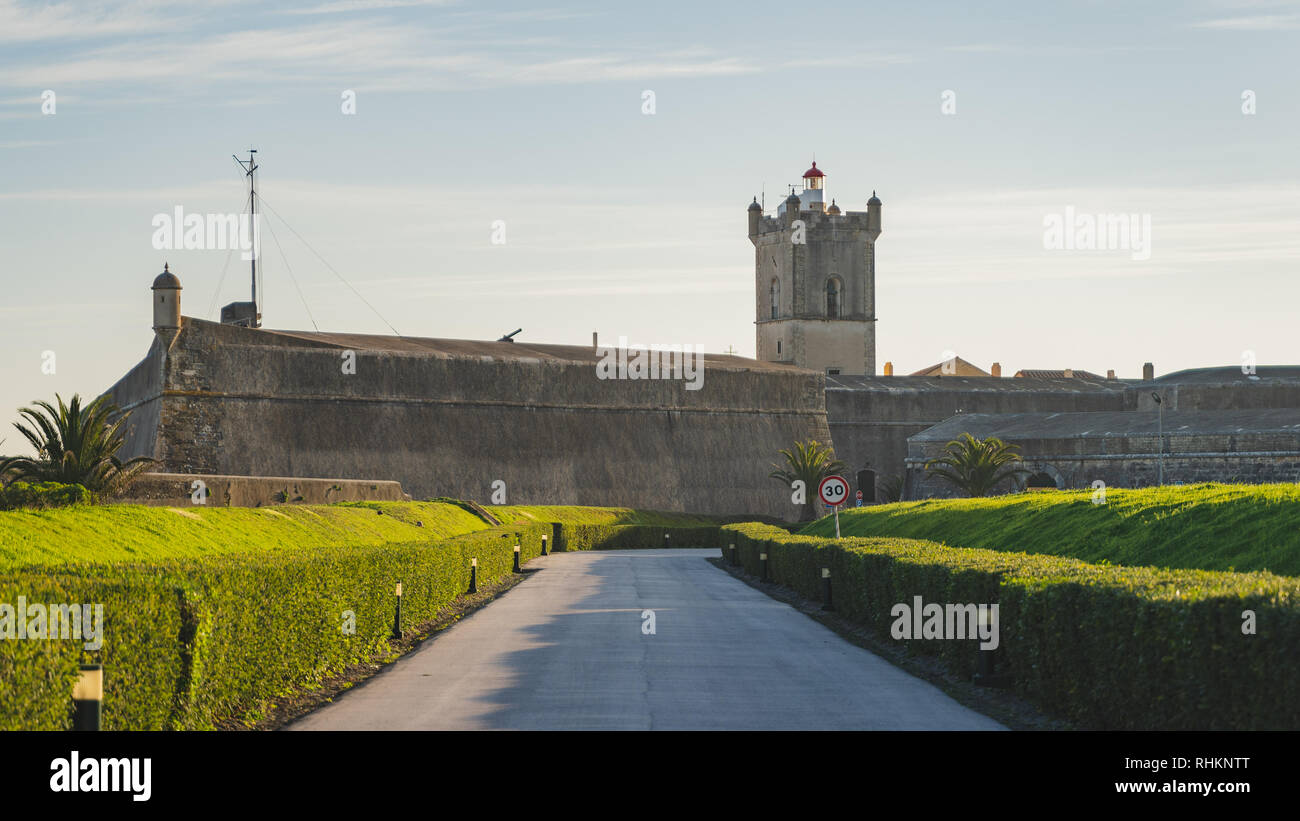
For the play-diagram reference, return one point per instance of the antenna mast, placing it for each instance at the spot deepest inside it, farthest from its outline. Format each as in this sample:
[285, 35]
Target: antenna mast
[250, 168]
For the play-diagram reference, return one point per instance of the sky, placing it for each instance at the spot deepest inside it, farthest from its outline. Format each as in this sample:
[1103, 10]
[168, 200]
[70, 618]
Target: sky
[974, 123]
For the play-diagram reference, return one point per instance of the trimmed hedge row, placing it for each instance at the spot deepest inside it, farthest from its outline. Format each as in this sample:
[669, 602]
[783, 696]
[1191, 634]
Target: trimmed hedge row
[293, 635]
[43, 495]
[627, 537]
[1108, 647]
[191, 643]
[141, 622]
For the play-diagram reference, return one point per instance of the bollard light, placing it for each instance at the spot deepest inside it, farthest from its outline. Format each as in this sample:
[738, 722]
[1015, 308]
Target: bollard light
[826, 589]
[397, 614]
[984, 659]
[518, 569]
[762, 560]
[543, 545]
[473, 575]
[732, 547]
[88, 697]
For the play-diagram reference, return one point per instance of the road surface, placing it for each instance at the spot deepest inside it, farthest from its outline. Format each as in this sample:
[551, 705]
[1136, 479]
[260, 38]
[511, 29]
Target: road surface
[565, 650]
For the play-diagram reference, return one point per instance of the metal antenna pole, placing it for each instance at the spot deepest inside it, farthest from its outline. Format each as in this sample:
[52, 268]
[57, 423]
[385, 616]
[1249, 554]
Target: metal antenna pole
[250, 168]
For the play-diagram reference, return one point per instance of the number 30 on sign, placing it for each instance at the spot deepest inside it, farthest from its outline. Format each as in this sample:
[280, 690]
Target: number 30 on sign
[833, 490]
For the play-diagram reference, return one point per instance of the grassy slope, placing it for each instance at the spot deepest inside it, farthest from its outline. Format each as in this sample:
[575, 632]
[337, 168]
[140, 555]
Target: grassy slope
[113, 533]
[595, 515]
[1207, 527]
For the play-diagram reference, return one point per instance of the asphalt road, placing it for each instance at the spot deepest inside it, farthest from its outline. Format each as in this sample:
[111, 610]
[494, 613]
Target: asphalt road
[565, 650]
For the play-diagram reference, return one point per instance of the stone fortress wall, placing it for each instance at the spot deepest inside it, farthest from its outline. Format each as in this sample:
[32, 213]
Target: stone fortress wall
[1219, 425]
[450, 417]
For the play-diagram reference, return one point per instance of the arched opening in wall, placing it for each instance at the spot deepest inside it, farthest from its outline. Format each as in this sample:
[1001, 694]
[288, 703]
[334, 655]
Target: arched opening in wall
[774, 298]
[1039, 481]
[834, 291]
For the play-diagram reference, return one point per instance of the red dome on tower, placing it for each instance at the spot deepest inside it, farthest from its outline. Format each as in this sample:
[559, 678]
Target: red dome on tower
[813, 172]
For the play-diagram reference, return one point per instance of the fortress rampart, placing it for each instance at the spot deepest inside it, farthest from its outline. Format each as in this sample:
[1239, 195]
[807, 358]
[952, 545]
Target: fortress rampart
[450, 417]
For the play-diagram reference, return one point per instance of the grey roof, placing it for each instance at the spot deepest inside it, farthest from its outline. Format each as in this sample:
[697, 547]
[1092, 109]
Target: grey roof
[166, 280]
[517, 351]
[1012, 427]
[1030, 373]
[992, 384]
[1231, 375]
[1080, 382]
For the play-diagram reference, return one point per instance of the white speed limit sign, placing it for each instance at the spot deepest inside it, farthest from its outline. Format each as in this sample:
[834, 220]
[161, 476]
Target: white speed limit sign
[833, 490]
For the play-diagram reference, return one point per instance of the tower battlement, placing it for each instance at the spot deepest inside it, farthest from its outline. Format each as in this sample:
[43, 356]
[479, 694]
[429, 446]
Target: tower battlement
[815, 281]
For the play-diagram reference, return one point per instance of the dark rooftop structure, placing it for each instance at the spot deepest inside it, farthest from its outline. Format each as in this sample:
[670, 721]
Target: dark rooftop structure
[1014, 427]
[1063, 374]
[993, 384]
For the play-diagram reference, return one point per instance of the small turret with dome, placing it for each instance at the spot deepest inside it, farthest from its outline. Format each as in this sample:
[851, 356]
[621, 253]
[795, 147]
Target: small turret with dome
[166, 304]
[755, 217]
[873, 216]
[791, 207]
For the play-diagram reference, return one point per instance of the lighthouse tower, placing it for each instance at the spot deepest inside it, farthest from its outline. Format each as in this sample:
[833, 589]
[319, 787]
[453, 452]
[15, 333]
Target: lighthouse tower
[815, 280]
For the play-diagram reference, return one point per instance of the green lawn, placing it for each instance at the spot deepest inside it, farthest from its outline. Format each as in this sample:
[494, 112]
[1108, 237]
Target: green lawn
[109, 534]
[136, 533]
[572, 514]
[1207, 527]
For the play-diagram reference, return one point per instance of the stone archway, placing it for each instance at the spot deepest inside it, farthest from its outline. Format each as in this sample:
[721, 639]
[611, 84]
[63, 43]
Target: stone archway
[1041, 476]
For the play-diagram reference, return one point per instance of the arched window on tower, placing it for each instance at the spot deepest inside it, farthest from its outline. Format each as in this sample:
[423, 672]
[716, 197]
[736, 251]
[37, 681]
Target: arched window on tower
[834, 298]
[775, 298]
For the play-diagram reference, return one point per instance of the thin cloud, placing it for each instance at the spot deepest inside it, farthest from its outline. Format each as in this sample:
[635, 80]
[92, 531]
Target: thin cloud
[1257, 22]
[345, 6]
[37, 22]
[379, 56]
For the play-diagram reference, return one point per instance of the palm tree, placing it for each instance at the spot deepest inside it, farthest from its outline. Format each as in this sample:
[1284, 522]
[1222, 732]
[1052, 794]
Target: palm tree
[976, 466]
[74, 445]
[891, 490]
[809, 462]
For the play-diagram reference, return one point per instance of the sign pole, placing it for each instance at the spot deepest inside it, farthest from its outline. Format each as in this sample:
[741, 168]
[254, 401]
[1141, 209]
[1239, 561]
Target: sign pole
[833, 491]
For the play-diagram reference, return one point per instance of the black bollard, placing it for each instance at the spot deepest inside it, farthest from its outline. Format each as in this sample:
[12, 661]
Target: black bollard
[473, 575]
[88, 697]
[518, 569]
[397, 614]
[826, 589]
[543, 545]
[762, 559]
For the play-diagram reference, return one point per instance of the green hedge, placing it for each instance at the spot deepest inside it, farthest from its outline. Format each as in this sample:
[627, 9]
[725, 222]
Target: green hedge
[140, 650]
[190, 643]
[42, 495]
[624, 537]
[271, 626]
[1108, 647]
